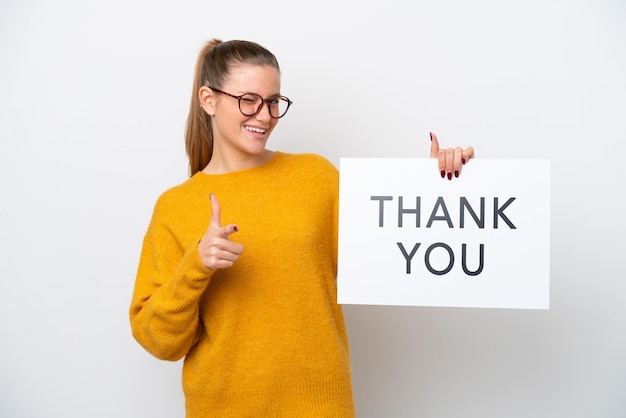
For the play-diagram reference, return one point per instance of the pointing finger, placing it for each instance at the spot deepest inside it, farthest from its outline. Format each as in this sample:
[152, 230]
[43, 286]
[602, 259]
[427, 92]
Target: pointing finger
[215, 212]
[216, 221]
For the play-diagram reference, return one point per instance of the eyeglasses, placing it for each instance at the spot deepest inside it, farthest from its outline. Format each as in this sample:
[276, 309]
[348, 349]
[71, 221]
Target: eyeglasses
[250, 104]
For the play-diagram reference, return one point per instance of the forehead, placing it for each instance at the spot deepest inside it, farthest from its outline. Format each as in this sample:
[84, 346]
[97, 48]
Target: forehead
[262, 79]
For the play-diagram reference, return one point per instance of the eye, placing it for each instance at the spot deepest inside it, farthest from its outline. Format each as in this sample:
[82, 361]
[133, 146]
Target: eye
[248, 98]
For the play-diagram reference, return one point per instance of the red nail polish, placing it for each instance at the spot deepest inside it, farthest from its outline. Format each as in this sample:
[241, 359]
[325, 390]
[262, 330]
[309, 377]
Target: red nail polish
[463, 160]
[456, 173]
[449, 176]
[431, 136]
[443, 174]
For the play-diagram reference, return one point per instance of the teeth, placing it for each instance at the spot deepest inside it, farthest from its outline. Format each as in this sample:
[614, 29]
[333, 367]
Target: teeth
[252, 129]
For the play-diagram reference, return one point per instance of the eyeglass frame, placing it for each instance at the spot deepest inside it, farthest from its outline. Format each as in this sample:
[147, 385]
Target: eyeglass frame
[263, 101]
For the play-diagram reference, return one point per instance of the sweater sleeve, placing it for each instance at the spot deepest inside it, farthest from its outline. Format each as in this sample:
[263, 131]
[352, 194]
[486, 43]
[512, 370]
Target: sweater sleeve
[164, 312]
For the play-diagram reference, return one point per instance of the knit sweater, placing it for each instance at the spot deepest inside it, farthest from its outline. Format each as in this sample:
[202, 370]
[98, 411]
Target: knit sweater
[266, 337]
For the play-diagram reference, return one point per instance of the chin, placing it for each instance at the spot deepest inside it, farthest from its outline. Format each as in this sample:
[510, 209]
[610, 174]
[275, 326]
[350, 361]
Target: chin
[256, 149]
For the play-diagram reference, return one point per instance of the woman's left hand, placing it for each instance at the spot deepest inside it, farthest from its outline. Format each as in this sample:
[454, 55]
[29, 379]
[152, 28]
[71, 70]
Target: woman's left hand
[450, 159]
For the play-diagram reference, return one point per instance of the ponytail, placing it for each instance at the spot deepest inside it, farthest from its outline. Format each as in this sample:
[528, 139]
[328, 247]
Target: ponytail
[213, 66]
[199, 133]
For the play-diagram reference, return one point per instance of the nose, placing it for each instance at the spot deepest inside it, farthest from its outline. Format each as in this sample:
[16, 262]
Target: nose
[264, 114]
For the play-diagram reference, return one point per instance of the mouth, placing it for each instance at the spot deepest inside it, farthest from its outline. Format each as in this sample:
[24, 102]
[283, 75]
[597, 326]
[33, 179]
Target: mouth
[255, 129]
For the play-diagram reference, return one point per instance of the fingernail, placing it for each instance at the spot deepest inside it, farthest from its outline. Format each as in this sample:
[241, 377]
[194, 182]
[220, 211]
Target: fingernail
[236, 228]
[456, 173]
[463, 160]
[450, 176]
[443, 173]
[431, 136]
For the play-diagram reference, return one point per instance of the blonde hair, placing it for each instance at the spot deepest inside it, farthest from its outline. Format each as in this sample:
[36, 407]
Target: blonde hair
[215, 61]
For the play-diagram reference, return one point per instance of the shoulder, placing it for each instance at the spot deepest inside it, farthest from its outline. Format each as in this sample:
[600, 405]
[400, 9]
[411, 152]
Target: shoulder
[180, 195]
[309, 174]
[309, 162]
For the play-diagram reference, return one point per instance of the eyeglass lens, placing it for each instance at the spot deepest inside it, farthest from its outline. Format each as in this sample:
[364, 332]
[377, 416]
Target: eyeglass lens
[250, 104]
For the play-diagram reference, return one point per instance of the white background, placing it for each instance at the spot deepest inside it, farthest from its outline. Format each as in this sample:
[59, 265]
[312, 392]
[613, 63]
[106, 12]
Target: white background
[93, 100]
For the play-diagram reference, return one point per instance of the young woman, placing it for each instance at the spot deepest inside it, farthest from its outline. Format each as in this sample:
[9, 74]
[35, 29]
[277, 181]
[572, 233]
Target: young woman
[244, 287]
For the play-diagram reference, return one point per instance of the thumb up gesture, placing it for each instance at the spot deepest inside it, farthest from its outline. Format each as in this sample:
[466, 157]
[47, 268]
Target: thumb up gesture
[216, 250]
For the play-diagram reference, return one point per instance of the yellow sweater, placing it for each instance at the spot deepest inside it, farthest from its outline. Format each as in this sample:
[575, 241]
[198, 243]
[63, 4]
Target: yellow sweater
[266, 337]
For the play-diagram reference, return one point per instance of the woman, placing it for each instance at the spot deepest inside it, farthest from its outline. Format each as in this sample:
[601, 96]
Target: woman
[260, 329]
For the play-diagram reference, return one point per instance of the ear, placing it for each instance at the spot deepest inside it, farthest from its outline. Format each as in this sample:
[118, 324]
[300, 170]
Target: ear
[207, 100]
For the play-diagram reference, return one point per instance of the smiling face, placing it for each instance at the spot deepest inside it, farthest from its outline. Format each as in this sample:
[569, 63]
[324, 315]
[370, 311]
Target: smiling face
[236, 137]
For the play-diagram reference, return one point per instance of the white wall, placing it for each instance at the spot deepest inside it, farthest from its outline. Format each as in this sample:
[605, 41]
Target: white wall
[93, 99]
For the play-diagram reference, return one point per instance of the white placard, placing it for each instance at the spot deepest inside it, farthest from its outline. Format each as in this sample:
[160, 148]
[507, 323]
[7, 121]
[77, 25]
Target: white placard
[409, 237]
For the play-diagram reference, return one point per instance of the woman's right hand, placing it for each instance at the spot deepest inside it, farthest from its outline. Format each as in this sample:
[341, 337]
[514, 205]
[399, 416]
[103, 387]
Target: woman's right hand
[216, 250]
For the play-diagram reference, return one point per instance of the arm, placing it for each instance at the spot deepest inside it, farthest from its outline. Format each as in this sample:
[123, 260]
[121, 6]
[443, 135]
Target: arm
[164, 312]
[171, 281]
